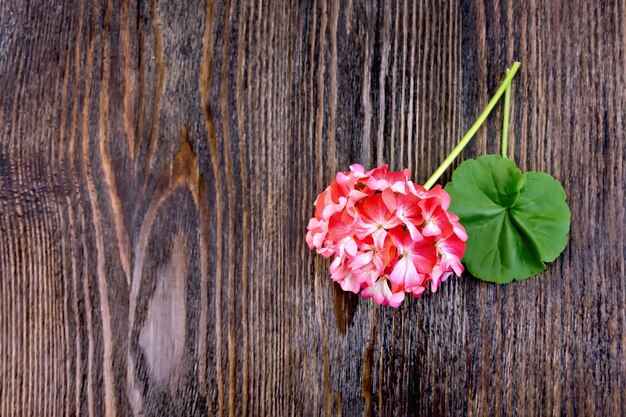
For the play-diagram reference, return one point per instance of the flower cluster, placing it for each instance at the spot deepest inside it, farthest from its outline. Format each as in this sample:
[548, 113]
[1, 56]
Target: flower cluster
[389, 236]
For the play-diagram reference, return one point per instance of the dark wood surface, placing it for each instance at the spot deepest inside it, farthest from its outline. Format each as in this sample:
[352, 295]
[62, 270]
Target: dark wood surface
[158, 165]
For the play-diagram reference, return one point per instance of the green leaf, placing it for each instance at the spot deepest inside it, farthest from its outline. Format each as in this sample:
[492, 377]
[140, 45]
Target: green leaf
[515, 222]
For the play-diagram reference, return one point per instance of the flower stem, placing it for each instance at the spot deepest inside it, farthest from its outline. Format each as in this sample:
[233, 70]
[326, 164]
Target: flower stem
[472, 131]
[505, 119]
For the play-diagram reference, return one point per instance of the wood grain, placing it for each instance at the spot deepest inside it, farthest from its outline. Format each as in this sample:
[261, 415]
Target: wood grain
[159, 162]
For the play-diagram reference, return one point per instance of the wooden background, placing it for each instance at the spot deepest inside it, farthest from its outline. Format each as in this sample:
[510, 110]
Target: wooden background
[158, 165]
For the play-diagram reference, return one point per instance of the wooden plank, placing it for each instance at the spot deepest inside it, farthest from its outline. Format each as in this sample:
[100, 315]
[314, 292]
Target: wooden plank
[158, 165]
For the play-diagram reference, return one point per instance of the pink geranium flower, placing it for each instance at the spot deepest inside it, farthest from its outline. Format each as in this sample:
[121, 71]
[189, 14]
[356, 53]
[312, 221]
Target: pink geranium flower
[340, 273]
[383, 294]
[406, 209]
[436, 221]
[370, 261]
[375, 220]
[416, 259]
[388, 235]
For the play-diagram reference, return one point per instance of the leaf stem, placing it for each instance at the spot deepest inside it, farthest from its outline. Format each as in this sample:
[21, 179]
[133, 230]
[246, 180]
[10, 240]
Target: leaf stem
[472, 131]
[505, 119]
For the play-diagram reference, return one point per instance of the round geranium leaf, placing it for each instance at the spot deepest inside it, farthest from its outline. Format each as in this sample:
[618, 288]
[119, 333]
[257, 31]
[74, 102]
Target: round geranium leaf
[515, 222]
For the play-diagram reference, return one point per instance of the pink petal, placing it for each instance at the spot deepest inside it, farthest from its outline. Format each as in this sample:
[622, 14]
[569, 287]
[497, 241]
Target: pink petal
[396, 299]
[437, 277]
[459, 230]
[373, 209]
[326, 252]
[375, 292]
[343, 178]
[415, 234]
[377, 185]
[442, 195]
[404, 274]
[360, 260]
[417, 190]
[379, 238]
[336, 266]
[356, 195]
[451, 247]
[399, 187]
[340, 225]
[351, 246]
[390, 199]
[318, 239]
[350, 283]
[431, 229]
[357, 168]
[418, 291]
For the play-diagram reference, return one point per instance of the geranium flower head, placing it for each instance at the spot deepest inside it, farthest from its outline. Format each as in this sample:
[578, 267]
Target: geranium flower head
[389, 236]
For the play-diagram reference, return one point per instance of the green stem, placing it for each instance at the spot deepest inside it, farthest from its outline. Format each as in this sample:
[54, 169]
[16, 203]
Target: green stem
[505, 120]
[472, 131]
